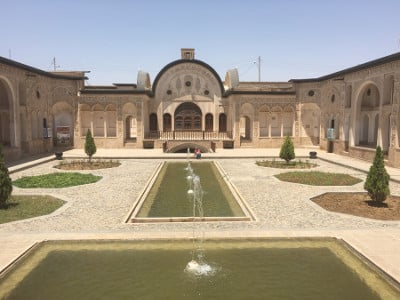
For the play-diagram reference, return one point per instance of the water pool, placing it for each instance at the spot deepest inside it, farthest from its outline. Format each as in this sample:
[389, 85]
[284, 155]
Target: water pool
[166, 197]
[240, 269]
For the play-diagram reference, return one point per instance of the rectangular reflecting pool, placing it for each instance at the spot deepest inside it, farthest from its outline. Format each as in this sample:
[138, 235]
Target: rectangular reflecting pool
[169, 196]
[238, 269]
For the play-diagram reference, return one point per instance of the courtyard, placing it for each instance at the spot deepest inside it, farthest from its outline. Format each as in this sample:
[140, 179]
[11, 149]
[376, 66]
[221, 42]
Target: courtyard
[281, 209]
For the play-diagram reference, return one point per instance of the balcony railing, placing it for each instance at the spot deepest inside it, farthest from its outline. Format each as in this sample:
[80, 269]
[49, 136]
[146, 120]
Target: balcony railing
[188, 135]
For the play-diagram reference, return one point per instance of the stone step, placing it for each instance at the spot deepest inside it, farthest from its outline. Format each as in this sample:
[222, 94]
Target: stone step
[130, 145]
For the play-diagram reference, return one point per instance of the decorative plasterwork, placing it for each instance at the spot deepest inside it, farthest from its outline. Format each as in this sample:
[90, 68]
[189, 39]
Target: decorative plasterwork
[187, 82]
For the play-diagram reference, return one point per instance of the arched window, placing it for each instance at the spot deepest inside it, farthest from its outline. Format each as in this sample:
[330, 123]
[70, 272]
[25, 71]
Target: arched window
[222, 122]
[275, 125]
[167, 124]
[153, 122]
[209, 122]
[188, 117]
[179, 123]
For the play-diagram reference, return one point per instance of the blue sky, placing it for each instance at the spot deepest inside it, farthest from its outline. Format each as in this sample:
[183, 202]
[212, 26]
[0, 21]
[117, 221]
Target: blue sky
[114, 39]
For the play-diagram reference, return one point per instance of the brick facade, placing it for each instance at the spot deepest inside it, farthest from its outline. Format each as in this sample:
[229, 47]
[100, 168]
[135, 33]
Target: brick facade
[189, 104]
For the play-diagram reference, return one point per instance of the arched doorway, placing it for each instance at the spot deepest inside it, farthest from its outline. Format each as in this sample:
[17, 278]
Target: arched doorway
[188, 117]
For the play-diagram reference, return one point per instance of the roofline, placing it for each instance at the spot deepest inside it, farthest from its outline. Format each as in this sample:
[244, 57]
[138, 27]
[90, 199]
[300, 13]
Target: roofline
[111, 90]
[38, 71]
[369, 64]
[114, 91]
[181, 61]
[236, 92]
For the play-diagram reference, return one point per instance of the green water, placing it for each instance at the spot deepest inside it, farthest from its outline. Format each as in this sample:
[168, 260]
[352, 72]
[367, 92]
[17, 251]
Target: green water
[168, 197]
[241, 270]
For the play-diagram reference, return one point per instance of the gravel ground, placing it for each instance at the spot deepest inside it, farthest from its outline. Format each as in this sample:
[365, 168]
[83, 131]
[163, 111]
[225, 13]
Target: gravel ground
[103, 206]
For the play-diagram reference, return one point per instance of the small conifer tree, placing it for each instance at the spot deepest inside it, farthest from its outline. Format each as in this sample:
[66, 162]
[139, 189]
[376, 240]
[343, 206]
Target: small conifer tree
[5, 182]
[287, 150]
[90, 146]
[377, 183]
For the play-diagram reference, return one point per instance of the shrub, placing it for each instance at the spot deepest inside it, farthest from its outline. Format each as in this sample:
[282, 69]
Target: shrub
[287, 150]
[377, 183]
[90, 146]
[5, 181]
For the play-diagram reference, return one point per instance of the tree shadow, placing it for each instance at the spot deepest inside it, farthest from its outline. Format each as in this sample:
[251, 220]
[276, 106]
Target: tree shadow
[9, 205]
[376, 204]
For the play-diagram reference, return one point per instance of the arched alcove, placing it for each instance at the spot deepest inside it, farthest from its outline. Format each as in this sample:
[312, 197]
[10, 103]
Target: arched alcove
[111, 120]
[98, 120]
[246, 118]
[367, 116]
[288, 117]
[263, 119]
[5, 113]
[85, 116]
[63, 123]
[310, 122]
[129, 115]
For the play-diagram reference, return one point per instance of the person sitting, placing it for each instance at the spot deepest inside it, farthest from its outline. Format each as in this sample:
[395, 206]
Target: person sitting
[197, 152]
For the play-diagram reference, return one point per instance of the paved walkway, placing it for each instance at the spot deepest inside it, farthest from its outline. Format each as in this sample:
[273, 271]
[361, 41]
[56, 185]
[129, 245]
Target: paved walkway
[98, 211]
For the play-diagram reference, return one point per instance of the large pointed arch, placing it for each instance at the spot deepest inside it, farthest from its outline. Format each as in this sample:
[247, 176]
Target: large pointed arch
[193, 62]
